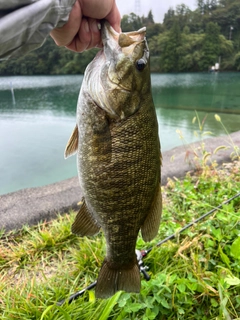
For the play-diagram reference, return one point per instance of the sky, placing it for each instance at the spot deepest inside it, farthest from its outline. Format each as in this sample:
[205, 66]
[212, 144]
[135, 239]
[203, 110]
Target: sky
[158, 7]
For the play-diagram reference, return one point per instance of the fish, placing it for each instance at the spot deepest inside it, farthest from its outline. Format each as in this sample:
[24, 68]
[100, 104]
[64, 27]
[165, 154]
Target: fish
[118, 151]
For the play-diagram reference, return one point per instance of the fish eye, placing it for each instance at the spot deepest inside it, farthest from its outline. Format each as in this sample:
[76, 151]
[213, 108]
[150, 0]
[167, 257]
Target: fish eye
[140, 64]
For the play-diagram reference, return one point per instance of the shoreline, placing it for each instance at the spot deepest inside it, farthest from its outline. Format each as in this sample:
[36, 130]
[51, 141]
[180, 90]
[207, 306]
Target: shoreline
[32, 205]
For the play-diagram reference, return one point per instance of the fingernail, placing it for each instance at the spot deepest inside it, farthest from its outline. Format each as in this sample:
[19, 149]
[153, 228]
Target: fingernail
[86, 25]
[95, 27]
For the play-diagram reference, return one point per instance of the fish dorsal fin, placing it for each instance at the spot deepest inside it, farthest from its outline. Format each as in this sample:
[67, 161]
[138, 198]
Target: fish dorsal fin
[85, 224]
[150, 227]
[72, 145]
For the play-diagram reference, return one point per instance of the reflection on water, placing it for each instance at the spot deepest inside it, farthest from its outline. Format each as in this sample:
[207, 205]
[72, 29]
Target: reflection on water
[35, 130]
[215, 92]
[54, 94]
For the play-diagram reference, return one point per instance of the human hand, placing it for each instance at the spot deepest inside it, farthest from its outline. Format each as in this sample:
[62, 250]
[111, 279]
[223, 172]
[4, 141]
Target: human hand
[81, 32]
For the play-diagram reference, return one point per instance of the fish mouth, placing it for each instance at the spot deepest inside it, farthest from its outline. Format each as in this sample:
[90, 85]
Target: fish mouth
[119, 53]
[108, 32]
[115, 44]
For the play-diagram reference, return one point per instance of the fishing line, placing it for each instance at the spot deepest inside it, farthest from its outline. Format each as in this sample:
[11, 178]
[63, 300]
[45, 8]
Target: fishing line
[143, 253]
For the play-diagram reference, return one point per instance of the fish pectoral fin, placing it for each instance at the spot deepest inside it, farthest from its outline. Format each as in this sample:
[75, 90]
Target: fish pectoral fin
[72, 145]
[150, 227]
[85, 224]
[112, 280]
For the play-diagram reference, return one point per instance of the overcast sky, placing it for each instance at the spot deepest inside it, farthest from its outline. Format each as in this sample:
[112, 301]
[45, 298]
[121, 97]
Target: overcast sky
[158, 7]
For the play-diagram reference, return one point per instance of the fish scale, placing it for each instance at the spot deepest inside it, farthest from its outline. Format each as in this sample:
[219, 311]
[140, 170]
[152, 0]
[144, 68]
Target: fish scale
[118, 153]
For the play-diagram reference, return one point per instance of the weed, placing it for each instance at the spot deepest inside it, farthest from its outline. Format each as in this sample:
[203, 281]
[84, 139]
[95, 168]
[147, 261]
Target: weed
[196, 276]
[198, 155]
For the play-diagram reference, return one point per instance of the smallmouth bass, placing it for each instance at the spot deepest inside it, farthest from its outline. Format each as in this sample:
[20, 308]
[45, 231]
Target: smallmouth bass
[118, 156]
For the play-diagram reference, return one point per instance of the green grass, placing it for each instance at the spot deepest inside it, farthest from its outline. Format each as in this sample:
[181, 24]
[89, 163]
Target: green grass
[194, 276]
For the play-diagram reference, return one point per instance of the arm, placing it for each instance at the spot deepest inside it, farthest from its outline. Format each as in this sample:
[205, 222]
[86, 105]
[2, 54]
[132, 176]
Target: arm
[24, 28]
[25, 24]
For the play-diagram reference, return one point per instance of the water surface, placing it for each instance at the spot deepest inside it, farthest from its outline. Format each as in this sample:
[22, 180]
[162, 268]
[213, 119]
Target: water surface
[34, 131]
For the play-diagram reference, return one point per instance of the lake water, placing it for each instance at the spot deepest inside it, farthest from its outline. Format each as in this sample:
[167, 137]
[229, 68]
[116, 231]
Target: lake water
[34, 131]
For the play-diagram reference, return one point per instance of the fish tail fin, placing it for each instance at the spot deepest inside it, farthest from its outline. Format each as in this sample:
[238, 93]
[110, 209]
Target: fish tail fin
[112, 280]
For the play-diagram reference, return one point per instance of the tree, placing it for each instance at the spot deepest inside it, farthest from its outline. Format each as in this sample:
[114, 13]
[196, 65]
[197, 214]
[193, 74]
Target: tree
[201, 6]
[131, 22]
[190, 53]
[169, 18]
[170, 55]
[186, 41]
[211, 46]
[154, 30]
[207, 7]
[150, 17]
[228, 17]
[182, 14]
[214, 4]
[237, 61]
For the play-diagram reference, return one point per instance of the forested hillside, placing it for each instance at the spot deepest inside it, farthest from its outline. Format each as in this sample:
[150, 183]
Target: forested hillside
[186, 41]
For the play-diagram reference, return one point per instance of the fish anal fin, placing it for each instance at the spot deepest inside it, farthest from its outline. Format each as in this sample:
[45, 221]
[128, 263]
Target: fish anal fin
[72, 145]
[85, 224]
[150, 227]
[112, 280]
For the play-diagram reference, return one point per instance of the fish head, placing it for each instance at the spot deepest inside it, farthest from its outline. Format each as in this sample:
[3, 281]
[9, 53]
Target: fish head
[122, 71]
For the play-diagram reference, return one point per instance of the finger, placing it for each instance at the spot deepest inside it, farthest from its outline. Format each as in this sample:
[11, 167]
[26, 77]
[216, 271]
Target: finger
[88, 36]
[104, 9]
[82, 38]
[96, 39]
[65, 35]
[114, 18]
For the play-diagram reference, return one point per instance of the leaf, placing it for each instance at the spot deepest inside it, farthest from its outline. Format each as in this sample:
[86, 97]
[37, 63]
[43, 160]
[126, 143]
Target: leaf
[224, 257]
[134, 307]
[217, 233]
[172, 278]
[165, 304]
[123, 299]
[214, 303]
[109, 306]
[46, 311]
[235, 248]
[181, 287]
[91, 295]
[64, 313]
[192, 286]
[181, 311]
[232, 281]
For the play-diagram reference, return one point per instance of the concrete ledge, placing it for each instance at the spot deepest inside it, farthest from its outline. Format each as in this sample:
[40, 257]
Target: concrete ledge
[183, 157]
[29, 206]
